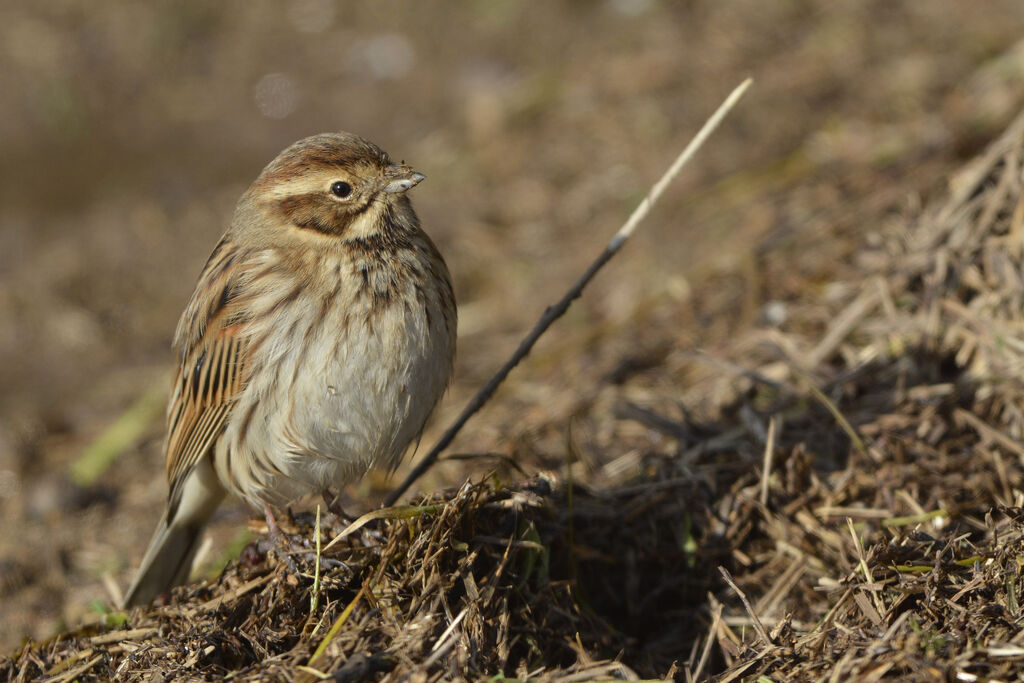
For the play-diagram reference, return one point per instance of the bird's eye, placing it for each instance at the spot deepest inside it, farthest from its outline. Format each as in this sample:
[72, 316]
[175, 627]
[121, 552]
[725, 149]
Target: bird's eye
[341, 189]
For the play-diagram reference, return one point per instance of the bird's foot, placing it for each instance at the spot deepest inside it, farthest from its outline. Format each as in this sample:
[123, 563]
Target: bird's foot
[285, 546]
[280, 541]
[333, 503]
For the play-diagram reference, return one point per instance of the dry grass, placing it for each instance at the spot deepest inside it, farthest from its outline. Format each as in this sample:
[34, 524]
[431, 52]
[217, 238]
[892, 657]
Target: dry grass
[904, 562]
[848, 507]
[487, 579]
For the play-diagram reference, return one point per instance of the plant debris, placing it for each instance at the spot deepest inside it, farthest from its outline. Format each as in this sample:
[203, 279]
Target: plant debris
[904, 561]
[487, 579]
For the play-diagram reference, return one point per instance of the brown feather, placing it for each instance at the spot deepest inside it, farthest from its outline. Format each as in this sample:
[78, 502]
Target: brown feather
[212, 345]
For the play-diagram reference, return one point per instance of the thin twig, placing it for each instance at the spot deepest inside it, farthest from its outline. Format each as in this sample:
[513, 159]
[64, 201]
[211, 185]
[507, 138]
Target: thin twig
[758, 626]
[336, 626]
[315, 591]
[444, 643]
[716, 617]
[769, 451]
[844, 424]
[553, 313]
[988, 432]
[401, 512]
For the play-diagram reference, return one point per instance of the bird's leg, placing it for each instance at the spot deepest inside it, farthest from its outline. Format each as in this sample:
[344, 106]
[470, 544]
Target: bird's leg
[280, 539]
[272, 527]
[333, 503]
[287, 548]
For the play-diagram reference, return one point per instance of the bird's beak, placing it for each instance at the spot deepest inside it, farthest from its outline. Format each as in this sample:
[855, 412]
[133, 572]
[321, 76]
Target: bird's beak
[401, 178]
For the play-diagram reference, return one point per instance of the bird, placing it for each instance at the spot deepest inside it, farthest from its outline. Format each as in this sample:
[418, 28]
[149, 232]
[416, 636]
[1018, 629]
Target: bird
[318, 341]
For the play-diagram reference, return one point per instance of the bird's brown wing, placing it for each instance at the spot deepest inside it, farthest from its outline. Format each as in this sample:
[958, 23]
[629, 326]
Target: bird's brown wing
[211, 339]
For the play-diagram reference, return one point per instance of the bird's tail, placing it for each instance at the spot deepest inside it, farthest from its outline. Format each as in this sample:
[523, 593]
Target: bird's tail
[168, 560]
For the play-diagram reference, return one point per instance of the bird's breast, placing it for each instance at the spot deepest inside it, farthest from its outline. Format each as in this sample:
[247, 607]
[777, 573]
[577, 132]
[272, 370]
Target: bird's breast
[348, 371]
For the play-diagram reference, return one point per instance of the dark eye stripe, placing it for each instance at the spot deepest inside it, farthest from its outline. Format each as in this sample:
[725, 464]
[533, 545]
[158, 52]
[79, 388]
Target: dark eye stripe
[315, 212]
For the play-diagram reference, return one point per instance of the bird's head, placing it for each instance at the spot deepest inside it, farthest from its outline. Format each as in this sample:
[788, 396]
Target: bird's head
[334, 184]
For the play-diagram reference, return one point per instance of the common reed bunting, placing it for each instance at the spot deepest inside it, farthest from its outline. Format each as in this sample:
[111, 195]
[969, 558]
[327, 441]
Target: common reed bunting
[319, 339]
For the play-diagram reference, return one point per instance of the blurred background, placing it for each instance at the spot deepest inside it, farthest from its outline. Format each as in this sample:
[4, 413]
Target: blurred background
[128, 130]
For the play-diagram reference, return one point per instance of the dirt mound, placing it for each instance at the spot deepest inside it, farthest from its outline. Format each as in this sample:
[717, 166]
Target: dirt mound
[539, 580]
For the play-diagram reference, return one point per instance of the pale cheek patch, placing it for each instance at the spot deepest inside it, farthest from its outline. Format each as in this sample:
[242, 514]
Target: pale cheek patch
[365, 223]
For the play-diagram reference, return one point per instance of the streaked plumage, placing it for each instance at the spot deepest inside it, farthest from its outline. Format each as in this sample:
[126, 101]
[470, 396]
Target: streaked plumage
[318, 340]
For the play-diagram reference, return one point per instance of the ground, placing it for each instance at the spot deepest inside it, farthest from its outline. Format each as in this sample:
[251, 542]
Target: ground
[833, 282]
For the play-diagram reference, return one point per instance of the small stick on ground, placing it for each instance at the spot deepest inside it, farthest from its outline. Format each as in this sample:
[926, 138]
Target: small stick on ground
[716, 616]
[315, 591]
[758, 626]
[769, 451]
[553, 313]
